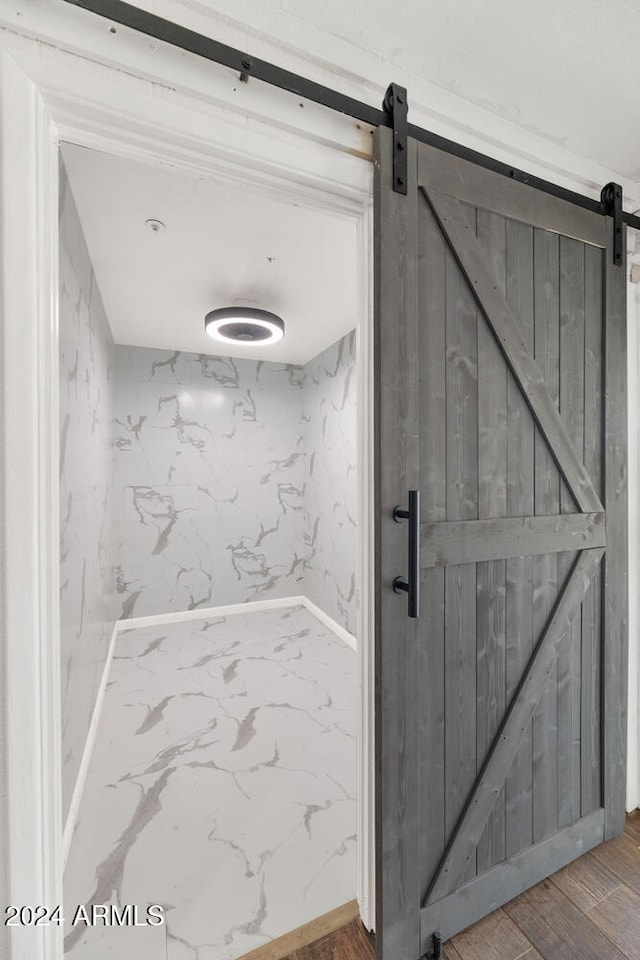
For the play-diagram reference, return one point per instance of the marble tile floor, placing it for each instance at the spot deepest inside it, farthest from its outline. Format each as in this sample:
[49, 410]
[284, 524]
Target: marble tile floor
[221, 786]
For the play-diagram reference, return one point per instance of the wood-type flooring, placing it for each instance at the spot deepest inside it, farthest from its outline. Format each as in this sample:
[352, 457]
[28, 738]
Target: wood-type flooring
[590, 910]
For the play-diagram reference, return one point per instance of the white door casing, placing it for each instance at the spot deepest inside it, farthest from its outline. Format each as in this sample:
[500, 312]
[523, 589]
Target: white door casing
[46, 97]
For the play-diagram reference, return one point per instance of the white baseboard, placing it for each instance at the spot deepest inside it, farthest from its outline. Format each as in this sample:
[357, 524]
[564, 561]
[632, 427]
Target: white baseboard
[76, 797]
[230, 609]
[203, 613]
[328, 621]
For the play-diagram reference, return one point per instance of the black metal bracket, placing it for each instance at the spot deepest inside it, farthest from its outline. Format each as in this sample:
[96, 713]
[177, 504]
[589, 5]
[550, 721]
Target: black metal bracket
[436, 948]
[611, 200]
[395, 105]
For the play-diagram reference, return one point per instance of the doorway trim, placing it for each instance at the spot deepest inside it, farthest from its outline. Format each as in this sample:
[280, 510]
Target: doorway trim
[393, 114]
[47, 96]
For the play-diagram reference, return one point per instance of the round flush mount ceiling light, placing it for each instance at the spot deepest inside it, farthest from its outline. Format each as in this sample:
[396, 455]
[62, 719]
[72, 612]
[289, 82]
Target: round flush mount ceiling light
[244, 325]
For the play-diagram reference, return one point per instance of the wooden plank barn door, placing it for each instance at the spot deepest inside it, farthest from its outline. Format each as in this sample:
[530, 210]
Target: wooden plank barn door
[501, 405]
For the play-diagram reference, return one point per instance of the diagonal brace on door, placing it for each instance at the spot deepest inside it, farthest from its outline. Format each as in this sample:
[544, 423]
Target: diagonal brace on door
[495, 769]
[472, 260]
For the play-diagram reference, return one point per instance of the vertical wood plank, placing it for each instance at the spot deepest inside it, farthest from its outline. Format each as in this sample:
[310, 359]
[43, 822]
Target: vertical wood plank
[397, 469]
[546, 352]
[433, 486]
[520, 503]
[490, 694]
[520, 297]
[492, 502]
[572, 413]
[546, 502]
[461, 391]
[460, 692]
[615, 635]
[462, 504]
[572, 349]
[432, 660]
[592, 606]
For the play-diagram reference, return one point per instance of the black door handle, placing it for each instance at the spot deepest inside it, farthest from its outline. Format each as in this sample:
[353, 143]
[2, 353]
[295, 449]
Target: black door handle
[411, 586]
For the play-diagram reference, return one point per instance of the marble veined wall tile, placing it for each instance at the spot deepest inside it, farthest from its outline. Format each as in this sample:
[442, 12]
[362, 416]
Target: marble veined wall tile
[210, 470]
[87, 588]
[236, 480]
[330, 487]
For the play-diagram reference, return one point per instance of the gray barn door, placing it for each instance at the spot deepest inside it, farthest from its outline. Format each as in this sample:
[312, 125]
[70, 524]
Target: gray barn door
[500, 380]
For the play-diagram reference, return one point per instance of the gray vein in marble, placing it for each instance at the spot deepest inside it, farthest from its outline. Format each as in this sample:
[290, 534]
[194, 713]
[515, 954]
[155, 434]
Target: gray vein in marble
[154, 715]
[277, 466]
[254, 925]
[248, 872]
[154, 645]
[205, 600]
[246, 407]
[203, 661]
[230, 671]
[132, 427]
[170, 362]
[290, 638]
[144, 499]
[129, 605]
[181, 424]
[110, 872]
[341, 850]
[224, 370]
[194, 951]
[64, 432]
[246, 730]
[310, 810]
[176, 751]
[347, 796]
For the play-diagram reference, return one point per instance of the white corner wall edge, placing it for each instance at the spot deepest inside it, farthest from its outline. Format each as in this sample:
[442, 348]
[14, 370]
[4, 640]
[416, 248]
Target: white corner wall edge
[329, 622]
[89, 744]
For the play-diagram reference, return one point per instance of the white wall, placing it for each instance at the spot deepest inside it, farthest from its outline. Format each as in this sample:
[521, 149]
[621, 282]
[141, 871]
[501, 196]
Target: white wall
[87, 535]
[330, 488]
[210, 472]
[236, 480]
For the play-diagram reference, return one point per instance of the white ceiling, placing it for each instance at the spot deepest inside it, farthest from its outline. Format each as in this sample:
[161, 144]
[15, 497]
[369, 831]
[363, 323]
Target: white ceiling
[222, 243]
[566, 70]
